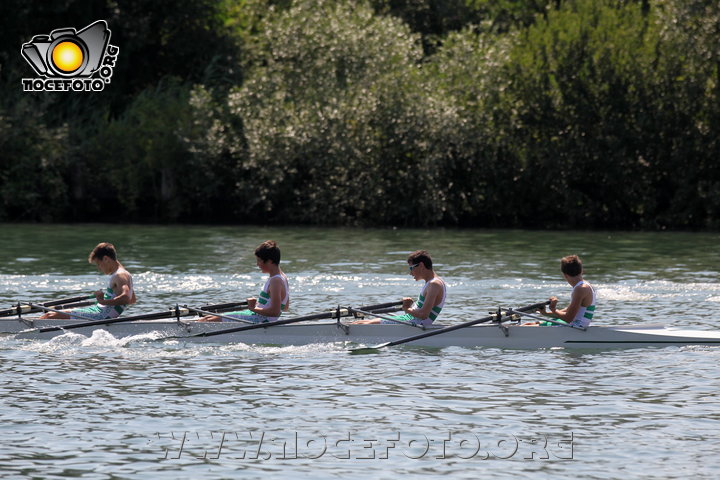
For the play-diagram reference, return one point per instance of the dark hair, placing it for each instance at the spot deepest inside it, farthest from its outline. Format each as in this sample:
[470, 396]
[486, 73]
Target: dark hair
[268, 250]
[103, 250]
[420, 256]
[571, 265]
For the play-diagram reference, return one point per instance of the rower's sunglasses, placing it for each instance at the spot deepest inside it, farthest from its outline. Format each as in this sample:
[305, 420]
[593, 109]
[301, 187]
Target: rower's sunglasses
[412, 267]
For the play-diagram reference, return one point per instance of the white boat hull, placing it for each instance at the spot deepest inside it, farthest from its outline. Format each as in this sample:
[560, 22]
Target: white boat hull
[483, 335]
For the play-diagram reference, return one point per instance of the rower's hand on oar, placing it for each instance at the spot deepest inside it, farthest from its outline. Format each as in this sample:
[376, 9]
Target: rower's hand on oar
[252, 303]
[407, 302]
[553, 303]
[99, 295]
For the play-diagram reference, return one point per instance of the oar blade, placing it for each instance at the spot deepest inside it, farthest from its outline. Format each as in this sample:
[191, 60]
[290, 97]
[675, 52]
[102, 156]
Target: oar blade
[364, 350]
[369, 349]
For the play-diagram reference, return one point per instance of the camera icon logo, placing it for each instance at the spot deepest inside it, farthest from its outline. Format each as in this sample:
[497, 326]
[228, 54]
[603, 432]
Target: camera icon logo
[69, 59]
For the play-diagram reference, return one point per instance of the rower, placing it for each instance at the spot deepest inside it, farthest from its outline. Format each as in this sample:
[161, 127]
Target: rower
[274, 298]
[432, 295]
[112, 301]
[582, 301]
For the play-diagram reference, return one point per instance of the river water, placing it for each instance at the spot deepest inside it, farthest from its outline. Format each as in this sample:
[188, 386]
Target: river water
[103, 408]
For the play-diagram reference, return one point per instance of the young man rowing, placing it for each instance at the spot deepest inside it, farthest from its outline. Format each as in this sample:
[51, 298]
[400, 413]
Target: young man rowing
[112, 301]
[274, 298]
[582, 301]
[431, 299]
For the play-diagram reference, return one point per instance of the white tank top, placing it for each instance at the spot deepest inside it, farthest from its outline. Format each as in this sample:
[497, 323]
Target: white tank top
[266, 301]
[585, 314]
[435, 311]
[110, 294]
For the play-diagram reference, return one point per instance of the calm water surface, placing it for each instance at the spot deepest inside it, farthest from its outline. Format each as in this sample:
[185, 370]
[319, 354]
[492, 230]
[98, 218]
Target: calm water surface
[103, 408]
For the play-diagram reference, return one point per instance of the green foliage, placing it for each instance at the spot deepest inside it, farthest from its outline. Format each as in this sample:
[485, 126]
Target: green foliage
[32, 162]
[145, 165]
[532, 113]
[139, 156]
[432, 19]
[328, 115]
[688, 80]
[573, 92]
[606, 117]
[506, 15]
[469, 73]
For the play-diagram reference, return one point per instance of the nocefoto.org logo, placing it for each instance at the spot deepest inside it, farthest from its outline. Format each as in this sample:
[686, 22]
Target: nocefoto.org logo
[71, 60]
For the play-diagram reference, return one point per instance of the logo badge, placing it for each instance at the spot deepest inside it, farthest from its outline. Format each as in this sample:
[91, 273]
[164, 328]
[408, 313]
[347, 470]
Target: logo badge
[71, 60]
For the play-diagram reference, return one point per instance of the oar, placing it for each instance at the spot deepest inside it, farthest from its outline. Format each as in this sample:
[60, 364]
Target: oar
[545, 319]
[68, 300]
[227, 317]
[286, 321]
[54, 310]
[224, 307]
[92, 322]
[392, 309]
[377, 314]
[24, 307]
[442, 330]
[170, 313]
[66, 306]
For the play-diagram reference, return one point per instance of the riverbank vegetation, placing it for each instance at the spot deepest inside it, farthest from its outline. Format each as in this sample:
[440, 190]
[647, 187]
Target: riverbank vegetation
[533, 113]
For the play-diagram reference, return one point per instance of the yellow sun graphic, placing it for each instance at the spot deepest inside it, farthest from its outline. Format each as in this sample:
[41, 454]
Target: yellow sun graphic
[67, 56]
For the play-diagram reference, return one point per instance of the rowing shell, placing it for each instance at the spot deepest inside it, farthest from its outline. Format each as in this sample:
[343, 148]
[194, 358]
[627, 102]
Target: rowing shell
[484, 335]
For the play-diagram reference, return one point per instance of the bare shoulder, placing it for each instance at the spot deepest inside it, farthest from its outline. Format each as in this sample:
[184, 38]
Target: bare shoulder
[438, 281]
[584, 292]
[276, 282]
[123, 277]
[436, 285]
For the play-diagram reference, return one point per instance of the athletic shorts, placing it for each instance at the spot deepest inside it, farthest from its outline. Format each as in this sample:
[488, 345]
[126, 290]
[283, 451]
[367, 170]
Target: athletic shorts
[247, 315]
[96, 312]
[404, 318]
[574, 324]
